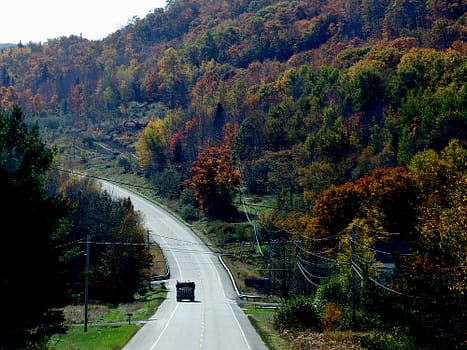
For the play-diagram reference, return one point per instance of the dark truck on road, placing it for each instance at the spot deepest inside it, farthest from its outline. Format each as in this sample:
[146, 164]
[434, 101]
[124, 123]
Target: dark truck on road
[185, 290]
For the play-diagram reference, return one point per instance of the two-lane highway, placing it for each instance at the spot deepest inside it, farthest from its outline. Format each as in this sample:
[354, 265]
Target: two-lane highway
[214, 321]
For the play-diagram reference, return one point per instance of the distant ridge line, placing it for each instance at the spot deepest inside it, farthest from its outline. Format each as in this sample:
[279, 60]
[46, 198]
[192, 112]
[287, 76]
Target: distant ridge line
[6, 45]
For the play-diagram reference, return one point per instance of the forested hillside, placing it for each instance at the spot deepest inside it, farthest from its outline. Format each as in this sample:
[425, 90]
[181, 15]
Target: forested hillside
[351, 114]
[342, 87]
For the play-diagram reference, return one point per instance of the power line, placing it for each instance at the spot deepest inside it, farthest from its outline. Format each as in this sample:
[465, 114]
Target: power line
[145, 244]
[305, 276]
[379, 284]
[380, 251]
[309, 273]
[252, 223]
[362, 260]
[69, 243]
[358, 270]
[383, 233]
[319, 256]
[328, 264]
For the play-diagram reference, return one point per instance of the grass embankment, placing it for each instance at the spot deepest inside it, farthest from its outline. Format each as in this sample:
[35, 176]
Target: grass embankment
[96, 338]
[108, 327]
[263, 321]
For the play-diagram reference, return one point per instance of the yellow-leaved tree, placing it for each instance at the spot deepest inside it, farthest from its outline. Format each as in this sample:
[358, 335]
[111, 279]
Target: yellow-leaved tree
[153, 142]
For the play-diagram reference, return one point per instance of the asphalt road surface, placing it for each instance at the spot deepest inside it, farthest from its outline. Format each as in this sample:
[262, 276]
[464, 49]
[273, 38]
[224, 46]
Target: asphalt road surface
[214, 321]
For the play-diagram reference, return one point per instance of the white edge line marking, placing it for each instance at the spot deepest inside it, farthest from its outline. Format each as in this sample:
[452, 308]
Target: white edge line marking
[239, 327]
[231, 308]
[165, 328]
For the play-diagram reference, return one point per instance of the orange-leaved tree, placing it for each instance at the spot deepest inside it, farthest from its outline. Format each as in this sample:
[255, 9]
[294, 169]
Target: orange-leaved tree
[215, 177]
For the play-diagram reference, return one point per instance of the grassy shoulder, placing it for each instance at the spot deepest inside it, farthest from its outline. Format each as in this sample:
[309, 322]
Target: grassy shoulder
[262, 320]
[96, 338]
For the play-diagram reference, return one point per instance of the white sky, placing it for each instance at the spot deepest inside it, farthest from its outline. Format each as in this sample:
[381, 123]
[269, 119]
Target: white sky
[39, 20]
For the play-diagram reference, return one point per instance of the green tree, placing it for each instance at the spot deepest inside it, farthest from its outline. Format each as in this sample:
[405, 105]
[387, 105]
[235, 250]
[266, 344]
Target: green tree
[315, 178]
[331, 142]
[174, 79]
[123, 262]
[364, 86]
[248, 144]
[432, 100]
[402, 17]
[283, 173]
[34, 224]
[372, 17]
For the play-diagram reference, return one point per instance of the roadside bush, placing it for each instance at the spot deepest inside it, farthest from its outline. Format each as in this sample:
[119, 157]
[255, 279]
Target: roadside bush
[298, 314]
[167, 183]
[189, 213]
[187, 206]
[187, 197]
[125, 163]
[229, 232]
[331, 317]
[381, 341]
[336, 289]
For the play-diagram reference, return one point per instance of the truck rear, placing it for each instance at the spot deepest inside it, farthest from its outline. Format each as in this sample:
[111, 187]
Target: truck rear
[185, 290]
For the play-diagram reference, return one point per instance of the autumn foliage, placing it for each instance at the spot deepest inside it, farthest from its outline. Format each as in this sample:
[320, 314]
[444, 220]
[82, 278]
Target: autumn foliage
[406, 208]
[347, 114]
[215, 177]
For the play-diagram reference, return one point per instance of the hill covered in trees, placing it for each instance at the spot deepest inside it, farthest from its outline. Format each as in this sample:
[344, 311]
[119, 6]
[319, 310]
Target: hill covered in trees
[351, 113]
[342, 87]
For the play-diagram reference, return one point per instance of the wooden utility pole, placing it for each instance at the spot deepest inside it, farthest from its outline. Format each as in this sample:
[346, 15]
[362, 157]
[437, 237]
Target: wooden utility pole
[86, 283]
[352, 245]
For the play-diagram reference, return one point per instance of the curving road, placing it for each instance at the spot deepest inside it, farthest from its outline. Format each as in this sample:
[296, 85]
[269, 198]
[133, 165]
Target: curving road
[214, 321]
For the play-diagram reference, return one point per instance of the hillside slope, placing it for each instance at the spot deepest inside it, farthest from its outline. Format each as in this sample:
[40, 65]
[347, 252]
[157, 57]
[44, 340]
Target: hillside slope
[350, 84]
